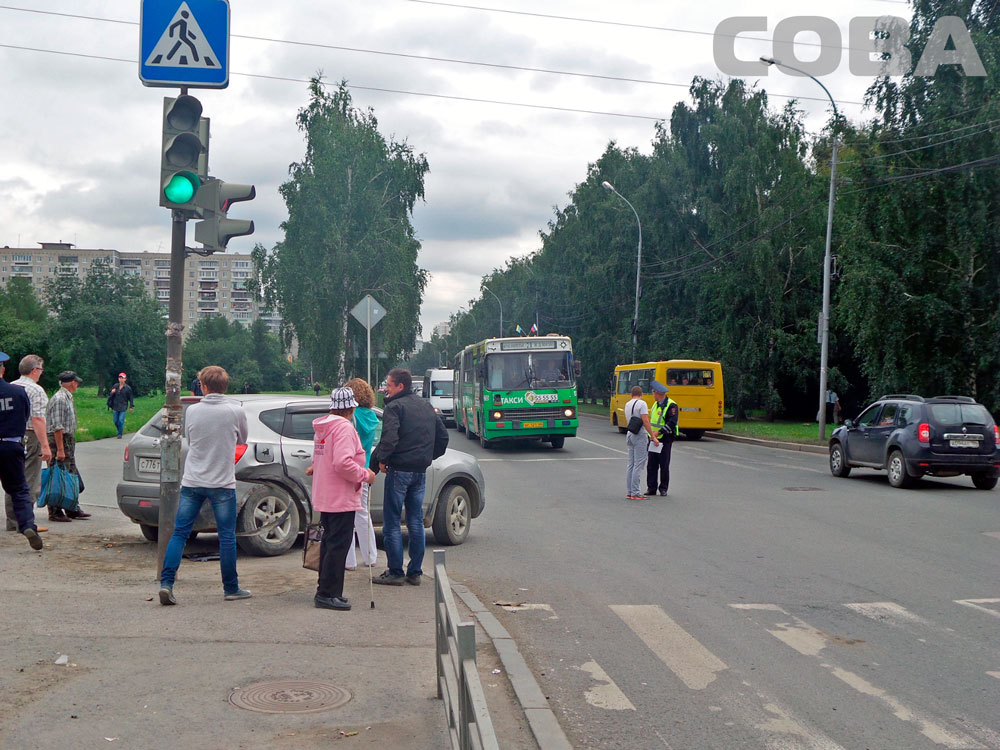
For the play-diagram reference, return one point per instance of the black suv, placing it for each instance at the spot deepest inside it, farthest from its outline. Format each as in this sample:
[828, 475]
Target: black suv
[910, 436]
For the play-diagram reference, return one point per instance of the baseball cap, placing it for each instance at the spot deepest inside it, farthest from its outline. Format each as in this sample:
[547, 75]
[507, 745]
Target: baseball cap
[122, 375]
[342, 398]
[68, 376]
[658, 387]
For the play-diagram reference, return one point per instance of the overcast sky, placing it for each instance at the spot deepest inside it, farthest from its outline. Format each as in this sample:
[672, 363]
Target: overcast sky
[80, 145]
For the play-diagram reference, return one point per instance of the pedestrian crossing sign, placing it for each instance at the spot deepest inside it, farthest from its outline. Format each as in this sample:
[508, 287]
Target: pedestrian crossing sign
[184, 43]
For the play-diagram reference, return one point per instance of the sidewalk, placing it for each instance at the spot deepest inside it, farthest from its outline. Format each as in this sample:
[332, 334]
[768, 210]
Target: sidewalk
[140, 675]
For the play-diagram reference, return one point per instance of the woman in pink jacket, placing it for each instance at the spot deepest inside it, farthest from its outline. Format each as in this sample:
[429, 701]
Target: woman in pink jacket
[338, 470]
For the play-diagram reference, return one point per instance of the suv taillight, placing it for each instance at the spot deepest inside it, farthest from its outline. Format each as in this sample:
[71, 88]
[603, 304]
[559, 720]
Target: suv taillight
[240, 450]
[924, 432]
[126, 449]
[996, 436]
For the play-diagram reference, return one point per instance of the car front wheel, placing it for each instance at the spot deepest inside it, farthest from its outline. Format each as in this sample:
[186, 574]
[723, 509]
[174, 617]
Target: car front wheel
[984, 481]
[898, 476]
[838, 461]
[453, 515]
[264, 505]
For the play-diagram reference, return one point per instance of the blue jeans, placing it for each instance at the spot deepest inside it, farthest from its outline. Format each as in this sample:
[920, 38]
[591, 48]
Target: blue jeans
[403, 489]
[224, 505]
[119, 418]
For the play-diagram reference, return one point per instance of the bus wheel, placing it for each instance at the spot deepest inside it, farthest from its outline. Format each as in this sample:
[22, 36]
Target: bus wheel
[614, 422]
[694, 434]
[459, 426]
[558, 441]
[486, 444]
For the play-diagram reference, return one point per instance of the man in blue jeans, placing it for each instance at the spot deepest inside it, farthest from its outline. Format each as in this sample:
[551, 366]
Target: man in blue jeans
[214, 426]
[412, 437]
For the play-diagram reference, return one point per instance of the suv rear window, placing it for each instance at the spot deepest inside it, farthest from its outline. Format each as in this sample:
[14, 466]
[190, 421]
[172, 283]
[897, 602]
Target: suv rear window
[960, 414]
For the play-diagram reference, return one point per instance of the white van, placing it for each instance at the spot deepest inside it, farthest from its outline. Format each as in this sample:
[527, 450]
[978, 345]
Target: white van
[439, 388]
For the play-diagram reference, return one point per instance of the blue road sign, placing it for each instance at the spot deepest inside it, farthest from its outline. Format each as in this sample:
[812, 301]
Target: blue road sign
[184, 43]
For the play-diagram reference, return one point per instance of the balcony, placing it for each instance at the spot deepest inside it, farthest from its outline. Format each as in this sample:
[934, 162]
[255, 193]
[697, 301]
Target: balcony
[163, 294]
[161, 273]
[208, 276]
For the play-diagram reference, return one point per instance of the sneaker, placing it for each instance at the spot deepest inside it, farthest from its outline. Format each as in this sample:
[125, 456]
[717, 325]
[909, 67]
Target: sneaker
[238, 594]
[167, 595]
[414, 580]
[33, 539]
[388, 579]
[633, 497]
[331, 602]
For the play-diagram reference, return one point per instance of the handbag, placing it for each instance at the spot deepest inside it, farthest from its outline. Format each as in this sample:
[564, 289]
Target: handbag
[60, 488]
[311, 543]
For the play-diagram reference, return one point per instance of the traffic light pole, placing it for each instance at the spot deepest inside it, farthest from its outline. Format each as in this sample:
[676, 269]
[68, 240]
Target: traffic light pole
[170, 443]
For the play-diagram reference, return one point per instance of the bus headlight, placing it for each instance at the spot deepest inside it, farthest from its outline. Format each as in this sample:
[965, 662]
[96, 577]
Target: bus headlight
[497, 415]
[569, 412]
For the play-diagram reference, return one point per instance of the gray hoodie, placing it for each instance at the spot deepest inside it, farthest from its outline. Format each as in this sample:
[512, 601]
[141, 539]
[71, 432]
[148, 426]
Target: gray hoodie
[214, 426]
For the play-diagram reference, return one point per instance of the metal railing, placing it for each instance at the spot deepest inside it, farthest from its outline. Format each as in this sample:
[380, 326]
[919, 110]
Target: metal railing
[469, 722]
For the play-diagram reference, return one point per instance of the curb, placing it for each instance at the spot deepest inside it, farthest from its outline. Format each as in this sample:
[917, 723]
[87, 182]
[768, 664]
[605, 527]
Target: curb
[548, 734]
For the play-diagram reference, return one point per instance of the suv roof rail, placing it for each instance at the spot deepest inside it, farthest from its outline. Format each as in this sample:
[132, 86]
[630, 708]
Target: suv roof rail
[903, 396]
[962, 399]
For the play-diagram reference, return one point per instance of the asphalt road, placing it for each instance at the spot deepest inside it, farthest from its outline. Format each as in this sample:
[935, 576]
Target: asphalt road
[762, 604]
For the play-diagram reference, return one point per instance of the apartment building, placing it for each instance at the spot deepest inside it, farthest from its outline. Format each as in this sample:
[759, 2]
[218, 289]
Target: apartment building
[214, 285]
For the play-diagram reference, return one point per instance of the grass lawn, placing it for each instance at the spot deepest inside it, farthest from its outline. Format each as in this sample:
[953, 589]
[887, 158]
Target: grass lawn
[93, 417]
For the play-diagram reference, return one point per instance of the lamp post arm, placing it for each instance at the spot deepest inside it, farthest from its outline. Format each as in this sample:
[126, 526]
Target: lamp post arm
[501, 307]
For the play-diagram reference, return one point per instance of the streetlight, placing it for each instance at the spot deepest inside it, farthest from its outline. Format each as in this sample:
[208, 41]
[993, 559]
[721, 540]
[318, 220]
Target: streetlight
[501, 307]
[638, 263]
[824, 351]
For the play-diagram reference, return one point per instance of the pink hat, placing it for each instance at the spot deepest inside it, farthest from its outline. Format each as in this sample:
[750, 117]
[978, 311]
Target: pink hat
[122, 375]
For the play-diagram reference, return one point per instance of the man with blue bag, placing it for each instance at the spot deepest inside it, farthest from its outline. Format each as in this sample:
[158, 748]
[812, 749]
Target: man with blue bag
[15, 408]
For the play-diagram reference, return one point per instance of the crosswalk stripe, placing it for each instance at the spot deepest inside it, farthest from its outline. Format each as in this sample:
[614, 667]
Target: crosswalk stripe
[886, 612]
[606, 695]
[976, 604]
[694, 664]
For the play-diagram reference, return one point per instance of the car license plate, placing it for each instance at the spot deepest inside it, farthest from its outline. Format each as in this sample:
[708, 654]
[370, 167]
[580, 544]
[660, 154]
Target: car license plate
[964, 444]
[532, 424]
[151, 465]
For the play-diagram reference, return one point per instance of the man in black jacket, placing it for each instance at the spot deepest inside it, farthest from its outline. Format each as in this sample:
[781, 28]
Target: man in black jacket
[412, 437]
[120, 401]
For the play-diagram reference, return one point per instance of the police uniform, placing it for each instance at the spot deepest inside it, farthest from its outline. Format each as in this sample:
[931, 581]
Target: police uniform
[15, 408]
[663, 419]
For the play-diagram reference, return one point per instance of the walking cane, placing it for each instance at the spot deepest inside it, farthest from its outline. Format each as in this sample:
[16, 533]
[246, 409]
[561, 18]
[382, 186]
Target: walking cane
[368, 507]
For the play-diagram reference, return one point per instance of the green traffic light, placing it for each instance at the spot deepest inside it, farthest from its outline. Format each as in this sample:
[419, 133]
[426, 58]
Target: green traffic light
[181, 187]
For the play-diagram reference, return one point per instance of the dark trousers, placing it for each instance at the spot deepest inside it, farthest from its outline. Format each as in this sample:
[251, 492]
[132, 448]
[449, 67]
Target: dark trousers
[32, 472]
[659, 463]
[15, 484]
[338, 535]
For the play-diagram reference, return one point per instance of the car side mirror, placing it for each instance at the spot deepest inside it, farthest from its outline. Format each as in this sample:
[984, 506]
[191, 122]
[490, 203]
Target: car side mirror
[849, 424]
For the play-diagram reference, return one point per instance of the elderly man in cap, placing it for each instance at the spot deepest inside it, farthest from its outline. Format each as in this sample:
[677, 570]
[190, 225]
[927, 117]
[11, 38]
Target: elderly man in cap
[15, 408]
[120, 400]
[60, 424]
[663, 418]
[36, 445]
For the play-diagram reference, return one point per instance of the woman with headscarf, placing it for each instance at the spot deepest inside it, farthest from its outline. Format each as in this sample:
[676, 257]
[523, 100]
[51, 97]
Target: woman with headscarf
[366, 423]
[338, 470]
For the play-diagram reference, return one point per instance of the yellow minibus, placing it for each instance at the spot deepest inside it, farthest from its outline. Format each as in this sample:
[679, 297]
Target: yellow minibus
[695, 385]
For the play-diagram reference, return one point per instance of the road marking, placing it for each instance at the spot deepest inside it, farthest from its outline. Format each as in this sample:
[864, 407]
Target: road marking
[994, 674]
[783, 723]
[974, 603]
[694, 664]
[994, 534]
[728, 463]
[607, 695]
[524, 606]
[513, 460]
[601, 445]
[886, 612]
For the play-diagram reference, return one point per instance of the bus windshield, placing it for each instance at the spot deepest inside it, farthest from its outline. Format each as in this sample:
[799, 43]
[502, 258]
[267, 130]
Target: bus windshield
[509, 371]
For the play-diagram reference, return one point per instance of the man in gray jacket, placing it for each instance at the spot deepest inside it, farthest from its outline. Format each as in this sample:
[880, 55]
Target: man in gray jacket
[214, 427]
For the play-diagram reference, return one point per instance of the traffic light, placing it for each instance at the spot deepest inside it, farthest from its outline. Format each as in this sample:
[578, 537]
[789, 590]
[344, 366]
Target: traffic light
[214, 198]
[184, 153]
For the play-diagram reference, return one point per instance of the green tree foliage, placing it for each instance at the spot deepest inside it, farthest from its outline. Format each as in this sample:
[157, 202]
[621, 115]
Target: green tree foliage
[106, 323]
[348, 234]
[249, 355]
[25, 329]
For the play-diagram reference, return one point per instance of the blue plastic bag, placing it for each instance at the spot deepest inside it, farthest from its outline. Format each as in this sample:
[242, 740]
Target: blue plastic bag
[60, 488]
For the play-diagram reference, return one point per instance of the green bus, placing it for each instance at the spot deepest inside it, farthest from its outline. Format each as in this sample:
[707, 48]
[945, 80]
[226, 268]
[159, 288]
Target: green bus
[516, 388]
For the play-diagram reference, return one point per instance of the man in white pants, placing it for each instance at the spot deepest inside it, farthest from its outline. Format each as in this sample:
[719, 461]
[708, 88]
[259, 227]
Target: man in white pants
[638, 444]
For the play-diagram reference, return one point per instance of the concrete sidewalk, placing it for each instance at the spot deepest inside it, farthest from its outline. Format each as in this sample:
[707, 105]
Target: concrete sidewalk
[140, 675]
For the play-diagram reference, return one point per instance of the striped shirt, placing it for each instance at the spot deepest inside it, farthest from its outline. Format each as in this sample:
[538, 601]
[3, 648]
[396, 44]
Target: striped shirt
[60, 413]
[36, 395]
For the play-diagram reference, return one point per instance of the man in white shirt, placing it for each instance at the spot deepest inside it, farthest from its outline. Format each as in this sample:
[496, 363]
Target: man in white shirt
[637, 443]
[36, 444]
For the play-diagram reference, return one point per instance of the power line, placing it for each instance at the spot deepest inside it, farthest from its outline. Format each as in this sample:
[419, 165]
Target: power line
[985, 127]
[429, 58]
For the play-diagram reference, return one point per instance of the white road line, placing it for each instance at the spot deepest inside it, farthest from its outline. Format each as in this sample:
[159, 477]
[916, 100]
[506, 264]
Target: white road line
[535, 460]
[886, 612]
[601, 445]
[728, 463]
[606, 695]
[994, 674]
[994, 534]
[974, 603]
[694, 664]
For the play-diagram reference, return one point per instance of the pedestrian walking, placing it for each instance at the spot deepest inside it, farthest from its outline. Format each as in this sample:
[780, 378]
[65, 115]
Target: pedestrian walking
[60, 428]
[317, 388]
[15, 409]
[412, 437]
[121, 401]
[366, 423]
[36, 444]
[214, 427]
[338, 471]
[663, 419]
[246, 387]
[639, 435]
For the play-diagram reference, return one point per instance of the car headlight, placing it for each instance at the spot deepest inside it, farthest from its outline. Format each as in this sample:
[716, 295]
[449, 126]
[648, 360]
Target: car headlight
[436, 410]
[569, 412]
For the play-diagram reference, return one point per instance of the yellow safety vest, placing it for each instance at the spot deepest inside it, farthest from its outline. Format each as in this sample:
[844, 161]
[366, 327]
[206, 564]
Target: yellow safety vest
[658, 414]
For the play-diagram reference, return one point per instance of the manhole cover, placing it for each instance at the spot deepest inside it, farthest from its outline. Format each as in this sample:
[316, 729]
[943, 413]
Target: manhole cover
[804, 489]
[290, 697]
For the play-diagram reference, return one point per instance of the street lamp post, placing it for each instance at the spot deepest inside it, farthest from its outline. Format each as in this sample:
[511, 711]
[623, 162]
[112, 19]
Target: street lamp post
[824, 351]
[638, 264]
[501, 307]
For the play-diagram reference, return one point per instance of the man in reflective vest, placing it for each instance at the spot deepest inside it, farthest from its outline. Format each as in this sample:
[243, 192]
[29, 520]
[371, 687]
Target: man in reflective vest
[663, 418]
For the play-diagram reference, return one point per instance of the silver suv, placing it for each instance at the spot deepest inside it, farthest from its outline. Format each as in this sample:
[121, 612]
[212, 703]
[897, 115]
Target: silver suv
[270, 478]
